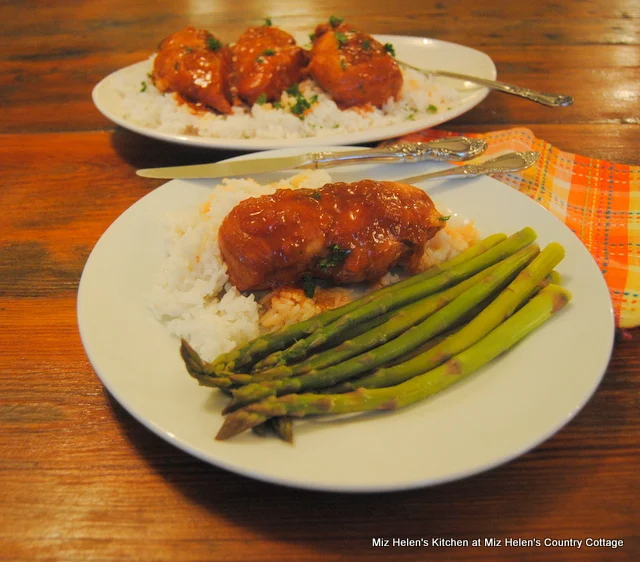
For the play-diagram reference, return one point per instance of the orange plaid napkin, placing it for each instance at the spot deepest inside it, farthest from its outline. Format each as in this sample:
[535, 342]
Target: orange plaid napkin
[598, 200]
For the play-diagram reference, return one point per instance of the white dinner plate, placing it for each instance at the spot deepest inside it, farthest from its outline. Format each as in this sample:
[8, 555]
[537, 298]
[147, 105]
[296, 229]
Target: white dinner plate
[418, 51]
[496, 414]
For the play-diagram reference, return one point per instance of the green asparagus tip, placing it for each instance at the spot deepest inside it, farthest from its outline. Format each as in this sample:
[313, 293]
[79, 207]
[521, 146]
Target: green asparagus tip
[283, 427]
[560, 299]
[191, 359]
[239, 422]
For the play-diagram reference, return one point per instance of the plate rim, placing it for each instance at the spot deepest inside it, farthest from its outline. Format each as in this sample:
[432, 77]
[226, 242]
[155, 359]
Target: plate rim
[188, 448]
[475, 98]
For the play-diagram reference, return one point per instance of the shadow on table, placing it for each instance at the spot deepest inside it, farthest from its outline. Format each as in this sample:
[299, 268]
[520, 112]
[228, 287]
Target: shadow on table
[344, 523]
[144, 152]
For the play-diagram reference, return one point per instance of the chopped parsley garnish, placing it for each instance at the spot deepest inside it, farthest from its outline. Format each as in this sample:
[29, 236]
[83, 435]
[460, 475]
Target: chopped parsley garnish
[411, 117]
[176, 66]
[389, 48]
[213, 44]
[268, 22]
[268, 52]
[342, 39]
[366, 45]
[277, 105]
[293, 90]
[343, 63]
[312, 36]
[188, 50]
[444, 218]
[432, 108]
[262, 99]
[316, 195]
[301, 104]
[143, 86]
[259, 60]
[335, 21]
[308, 285]
[336, 257]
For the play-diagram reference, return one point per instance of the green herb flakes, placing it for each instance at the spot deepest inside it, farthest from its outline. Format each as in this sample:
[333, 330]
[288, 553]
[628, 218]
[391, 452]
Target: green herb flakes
[335, 257]
[268, 22]
[432, 108]
[214, 44]
[308, 285]
[262, 99]
[341, 38]
[335, 21]
[366, 45]
[293, 90]
[300, 104]
[268, 52]
[143, 86]
[444, 218]
[389, 48]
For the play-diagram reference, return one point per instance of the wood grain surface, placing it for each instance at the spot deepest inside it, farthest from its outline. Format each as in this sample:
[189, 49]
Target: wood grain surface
[81, 480]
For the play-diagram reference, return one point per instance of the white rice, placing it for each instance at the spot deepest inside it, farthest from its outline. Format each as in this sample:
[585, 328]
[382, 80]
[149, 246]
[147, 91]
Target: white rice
[191, 294]
[141, 103]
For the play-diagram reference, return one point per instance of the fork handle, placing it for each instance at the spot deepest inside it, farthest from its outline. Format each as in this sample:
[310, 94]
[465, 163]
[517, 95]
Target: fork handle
[550, 100]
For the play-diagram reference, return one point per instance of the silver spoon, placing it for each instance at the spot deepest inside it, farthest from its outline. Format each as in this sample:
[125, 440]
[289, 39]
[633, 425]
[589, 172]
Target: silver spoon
[510, 162]
[551, 100]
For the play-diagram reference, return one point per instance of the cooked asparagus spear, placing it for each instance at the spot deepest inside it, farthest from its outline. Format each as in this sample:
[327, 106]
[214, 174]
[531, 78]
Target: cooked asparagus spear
[393, 299]
[197, 368]
[397, 322]
[283, 427]
[228, 381]
[415, 336]
[500, 308]
[348, 386]
[248, 353]
[539, 309]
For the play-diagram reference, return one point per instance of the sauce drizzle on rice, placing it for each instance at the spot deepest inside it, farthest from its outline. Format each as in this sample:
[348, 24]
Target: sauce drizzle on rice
[191, 295]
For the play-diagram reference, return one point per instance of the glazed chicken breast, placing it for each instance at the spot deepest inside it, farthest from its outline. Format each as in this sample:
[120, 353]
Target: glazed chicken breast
[195, 65]
[353, 67]
[264, 62]
[345, 232]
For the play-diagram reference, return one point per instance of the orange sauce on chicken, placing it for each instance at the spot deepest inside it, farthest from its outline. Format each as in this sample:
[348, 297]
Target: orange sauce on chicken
[347, 233]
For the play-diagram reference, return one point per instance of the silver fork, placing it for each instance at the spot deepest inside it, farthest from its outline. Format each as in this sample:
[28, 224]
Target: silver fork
[550, 100]
[510, 162]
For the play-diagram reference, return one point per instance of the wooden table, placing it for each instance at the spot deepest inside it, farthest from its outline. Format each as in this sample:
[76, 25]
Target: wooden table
[81, 480]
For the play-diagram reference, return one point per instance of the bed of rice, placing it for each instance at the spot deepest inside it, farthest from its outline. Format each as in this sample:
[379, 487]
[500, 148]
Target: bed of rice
[141, 103]
[191, 294]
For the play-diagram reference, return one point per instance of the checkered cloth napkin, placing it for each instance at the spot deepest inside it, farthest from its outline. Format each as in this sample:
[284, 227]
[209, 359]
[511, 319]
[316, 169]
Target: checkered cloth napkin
[598, 200]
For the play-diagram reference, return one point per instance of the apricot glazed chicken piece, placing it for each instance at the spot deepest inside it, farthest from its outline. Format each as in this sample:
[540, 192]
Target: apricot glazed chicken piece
[352, 67]
[265, 61]
[345, 232]
[195, 65]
